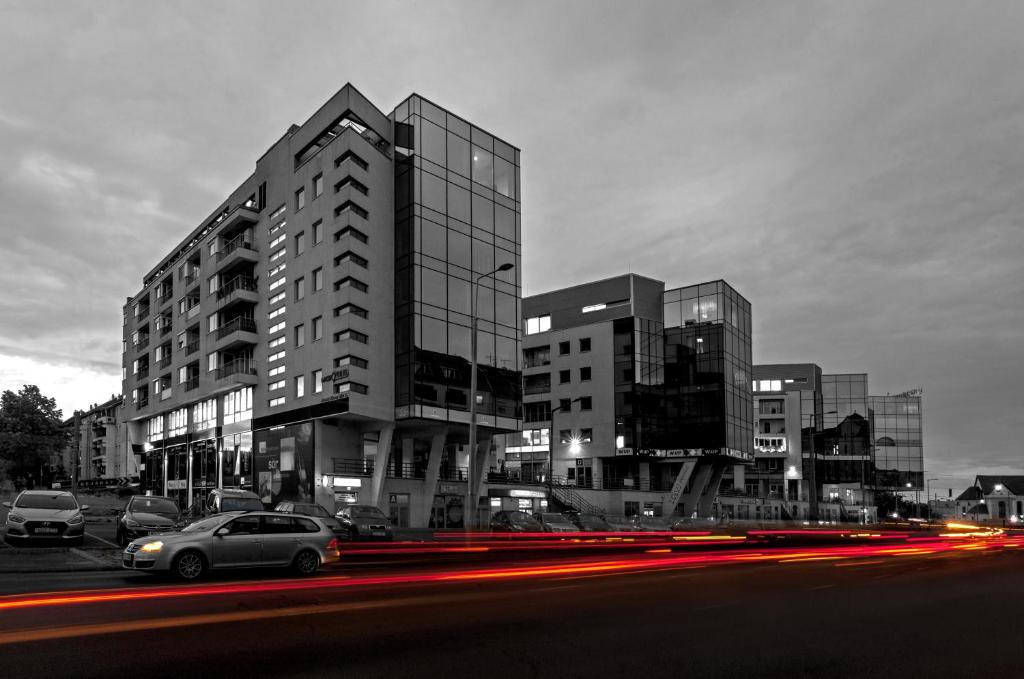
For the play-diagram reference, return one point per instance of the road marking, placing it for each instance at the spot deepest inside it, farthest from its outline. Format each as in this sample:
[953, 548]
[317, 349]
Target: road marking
[88, 556]
[108, 542]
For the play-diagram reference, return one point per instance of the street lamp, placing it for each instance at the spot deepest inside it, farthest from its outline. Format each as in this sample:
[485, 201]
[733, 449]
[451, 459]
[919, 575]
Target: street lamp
[813, 499]
[551, 446]
[928, 495]
[470, 512]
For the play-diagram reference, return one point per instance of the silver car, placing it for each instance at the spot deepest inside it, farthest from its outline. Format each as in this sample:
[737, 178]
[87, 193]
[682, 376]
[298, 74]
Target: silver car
[237, 540]
[45, 515]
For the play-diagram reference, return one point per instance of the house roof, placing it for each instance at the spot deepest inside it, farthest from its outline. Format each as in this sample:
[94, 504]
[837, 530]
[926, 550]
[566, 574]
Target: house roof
[978, 509]
[972, 493]
[1014, 484]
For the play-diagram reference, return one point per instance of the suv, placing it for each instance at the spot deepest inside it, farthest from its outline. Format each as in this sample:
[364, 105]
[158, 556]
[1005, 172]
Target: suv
[223, 500]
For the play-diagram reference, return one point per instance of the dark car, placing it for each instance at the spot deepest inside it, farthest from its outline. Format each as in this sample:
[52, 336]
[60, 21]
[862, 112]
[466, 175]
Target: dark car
[652, 524]
[45, 515]
[364, 522]
[552, 522]
[147, 515]
[223, 500]
[309, 509]
[591, 522]
[515, 522]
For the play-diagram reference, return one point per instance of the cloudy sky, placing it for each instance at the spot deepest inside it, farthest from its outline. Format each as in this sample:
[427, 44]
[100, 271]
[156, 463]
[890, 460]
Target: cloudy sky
[854, 169]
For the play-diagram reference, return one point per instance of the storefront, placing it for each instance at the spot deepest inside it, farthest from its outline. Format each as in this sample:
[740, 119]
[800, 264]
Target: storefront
[283, 463]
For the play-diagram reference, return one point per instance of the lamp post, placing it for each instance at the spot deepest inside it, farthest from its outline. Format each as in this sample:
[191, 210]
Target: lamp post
[928, 495]
[551, 447]
[813, 498]
[470, 512]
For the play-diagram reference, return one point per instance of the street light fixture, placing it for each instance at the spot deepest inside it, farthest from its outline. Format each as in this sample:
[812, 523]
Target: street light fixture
[471, 508]
[551, 446]
[928, 495]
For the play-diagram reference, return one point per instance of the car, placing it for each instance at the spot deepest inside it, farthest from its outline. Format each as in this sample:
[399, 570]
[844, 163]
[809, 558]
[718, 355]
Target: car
[591, 523]
[309, 509]
[650, 524]
[37, 515]
[236, 540]
[619, 523]
[231, 500]
[364, 522]
[515, 522]
[555, 523]
[145, 515]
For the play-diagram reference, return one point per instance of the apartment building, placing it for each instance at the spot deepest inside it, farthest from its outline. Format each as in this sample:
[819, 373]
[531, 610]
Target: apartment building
[310, 338]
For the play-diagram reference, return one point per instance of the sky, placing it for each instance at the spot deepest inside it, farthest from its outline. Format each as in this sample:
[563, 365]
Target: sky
[853, 169]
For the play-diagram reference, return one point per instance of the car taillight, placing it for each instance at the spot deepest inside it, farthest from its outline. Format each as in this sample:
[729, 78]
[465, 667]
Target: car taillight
[333, 544]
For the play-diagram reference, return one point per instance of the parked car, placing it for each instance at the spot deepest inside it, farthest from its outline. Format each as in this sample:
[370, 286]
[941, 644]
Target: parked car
[515, 522]
[591, 522]
[619, 523]
[231, 500]
[236, 540]
[145, 515]
[555, 523]
[652, 524]
[364, 522]
[45, 515]
[309, 509]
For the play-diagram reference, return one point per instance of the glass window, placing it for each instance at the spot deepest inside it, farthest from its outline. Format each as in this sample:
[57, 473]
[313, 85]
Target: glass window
[564, 376]
[459, 249]
[318, 185]
[300, 243]
[458, 341]
[300, 199]
[434, 191]
[458, 155]
[432, 238]
[318, 231]
[585, 374]
[459, 295]
[483, 213]
[318, 279]
[432, 142]
[318, 328]
[458, 202]
[586, 403]
[563, 348]
[300, 386]
[300, 288]
[584, 344]
[504, 177]
[433, 288]
[504, 222]
[483, 257]
[318, 381]
[505, 309]
[483, 166]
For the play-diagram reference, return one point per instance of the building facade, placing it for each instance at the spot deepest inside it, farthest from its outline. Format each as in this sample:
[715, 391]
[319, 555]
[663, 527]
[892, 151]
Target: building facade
[310, 339]
[97, 447]
[645, 390]
[899, 441]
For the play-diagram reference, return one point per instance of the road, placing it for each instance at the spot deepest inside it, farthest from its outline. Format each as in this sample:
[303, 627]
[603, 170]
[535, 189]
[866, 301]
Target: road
[910, 612]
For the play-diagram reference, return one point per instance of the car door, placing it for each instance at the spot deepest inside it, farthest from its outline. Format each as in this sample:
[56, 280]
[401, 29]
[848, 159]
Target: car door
[237, 544]
[280, 539]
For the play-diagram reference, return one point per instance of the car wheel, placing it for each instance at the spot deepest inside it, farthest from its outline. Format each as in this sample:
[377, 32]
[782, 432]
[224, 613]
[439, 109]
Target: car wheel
[306, 562]
[189, 566]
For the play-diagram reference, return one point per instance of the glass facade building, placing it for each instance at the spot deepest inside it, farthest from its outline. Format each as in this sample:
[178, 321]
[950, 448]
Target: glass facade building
[457, 219]
[844, 443]
[898, 438]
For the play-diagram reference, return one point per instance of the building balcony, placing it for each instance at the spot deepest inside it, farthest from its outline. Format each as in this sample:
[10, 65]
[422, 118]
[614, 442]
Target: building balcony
[192, 347]
[142, 344]
[165, 362]
[238, 250]
[240, 217]
[239, 331]
[192, 383]
[142, 315]
[143, 373]
[165, 393]
[238, 289]
[142, 403]
[239, 371]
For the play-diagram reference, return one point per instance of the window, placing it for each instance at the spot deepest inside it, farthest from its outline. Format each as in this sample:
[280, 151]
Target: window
[318, 231]
[565, 435]
[300, 288]
[279, 370]
[279, 297]
[277, 269]
[350, 256]
[276, 342]
[277, 213]
[274, 402]
[318, 279]
[318, 381]
[204, 414]
[276, 312]
[537, 412]
[348, 207]
[350, 308]
[345, 387]
[586, 435]
[350, 360]
[238, 406]
[563, 349]
[586, 403]
[585, 374]
[276, 227]
[278, 283]
[276, 357]
[274, 386]
[349, 281]
[318, 328]
[277, 327]
[277, 241]
[300, 335]
[300, 243]
[536, 356]
[353, 335]
[211, 362]
[538, 324]
[564, 376]
[300, 199]
[279, 254]
[353, 232]
[349, 155]
[584, 344]
[564, 405]
[352, 182]
[318, 185]
[300, 386]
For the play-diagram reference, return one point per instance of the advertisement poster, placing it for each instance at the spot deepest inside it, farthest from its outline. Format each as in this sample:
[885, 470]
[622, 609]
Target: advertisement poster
[283, 463]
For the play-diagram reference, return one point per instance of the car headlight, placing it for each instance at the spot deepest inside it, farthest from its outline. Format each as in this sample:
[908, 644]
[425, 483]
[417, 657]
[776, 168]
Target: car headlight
[75, 520]
[16, 518]
[153, 546]
[131, 523]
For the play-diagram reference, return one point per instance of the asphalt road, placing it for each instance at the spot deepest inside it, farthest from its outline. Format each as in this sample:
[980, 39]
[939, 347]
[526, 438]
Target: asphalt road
[954, 613]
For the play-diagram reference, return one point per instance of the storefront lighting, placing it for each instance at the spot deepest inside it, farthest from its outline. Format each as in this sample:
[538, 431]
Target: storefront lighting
[575, 445]
[496, 503]
[620, 441]
[341, 481]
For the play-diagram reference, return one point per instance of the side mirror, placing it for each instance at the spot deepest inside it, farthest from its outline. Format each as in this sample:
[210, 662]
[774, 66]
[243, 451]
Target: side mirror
[84, 507]
[8, 505]
[220, 532]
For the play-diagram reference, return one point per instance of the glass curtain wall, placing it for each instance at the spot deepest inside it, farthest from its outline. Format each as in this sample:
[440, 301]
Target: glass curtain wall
[899, 451]
[457, 217]
[844, 442]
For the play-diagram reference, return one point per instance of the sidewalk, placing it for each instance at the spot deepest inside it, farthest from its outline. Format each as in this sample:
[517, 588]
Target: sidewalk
[56, 559]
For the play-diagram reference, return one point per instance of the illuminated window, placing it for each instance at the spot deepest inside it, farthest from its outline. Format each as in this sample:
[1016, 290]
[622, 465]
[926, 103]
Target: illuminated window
[274, 402]
[276, 357]
[274, 386]
[318, 381]
[538, 324]
[279, 370]
[300, 386]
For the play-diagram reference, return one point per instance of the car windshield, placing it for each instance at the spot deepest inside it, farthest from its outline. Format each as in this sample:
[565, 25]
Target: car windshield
[240, 504]
[367, 513]
[205, 524]
[554, 518]
[519, 517]
[311, 510]
[153, 504]
[56, 501]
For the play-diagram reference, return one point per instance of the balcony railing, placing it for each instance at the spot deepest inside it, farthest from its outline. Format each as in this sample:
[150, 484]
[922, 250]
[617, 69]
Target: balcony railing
[234, 285]
[142, 315]
[142, 403]
[235, 243]
[191, 280]
[143, 373]
[165, 393]
[353, 467]
[165, 362]
[239, 366]
[142, 343]
[241, 323]
[192, 347]
[192, 383]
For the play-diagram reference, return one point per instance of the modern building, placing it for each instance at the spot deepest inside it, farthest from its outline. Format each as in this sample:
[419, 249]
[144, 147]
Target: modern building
[898, 437]
[646, 390]
[310, 339]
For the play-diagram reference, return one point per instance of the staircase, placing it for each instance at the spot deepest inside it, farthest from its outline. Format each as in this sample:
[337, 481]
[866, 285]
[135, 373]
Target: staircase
[573, 499]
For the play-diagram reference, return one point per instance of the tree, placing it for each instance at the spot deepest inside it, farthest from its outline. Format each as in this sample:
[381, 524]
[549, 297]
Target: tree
[30, 431]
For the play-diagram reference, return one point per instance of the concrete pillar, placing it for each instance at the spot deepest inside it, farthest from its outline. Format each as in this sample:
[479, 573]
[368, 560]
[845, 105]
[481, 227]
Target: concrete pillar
[380, 466]
[420, 515]
[682, 478]
[483, 454]
[739, 476]
[707, 499]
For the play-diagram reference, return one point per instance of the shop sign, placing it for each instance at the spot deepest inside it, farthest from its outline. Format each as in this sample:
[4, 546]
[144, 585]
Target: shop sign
[334, 397]
[176, 484]
[624, 451]
[338, 375]
[449, 488]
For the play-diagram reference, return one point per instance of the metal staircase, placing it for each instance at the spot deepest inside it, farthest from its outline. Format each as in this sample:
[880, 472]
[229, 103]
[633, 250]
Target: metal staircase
[572, 498]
